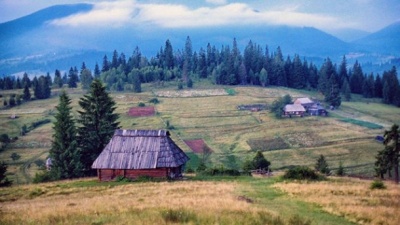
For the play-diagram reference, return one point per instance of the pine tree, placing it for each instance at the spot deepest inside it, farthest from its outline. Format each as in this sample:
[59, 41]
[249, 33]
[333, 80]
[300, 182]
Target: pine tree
[58, 79]
[98, 123]
[264, 77]
[86, 78]
[378, 86]
[96, 71]
[346, 90]
[27, 94]
[26, 81]
[42, 88]
[72, 78]
[64, 151]
[3, 178]
[106, 64]
[322, 165]
[392, 149]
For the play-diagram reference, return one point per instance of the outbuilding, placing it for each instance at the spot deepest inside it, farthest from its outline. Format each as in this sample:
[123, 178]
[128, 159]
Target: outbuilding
[135, 153]
[293, 110]
[305, 102]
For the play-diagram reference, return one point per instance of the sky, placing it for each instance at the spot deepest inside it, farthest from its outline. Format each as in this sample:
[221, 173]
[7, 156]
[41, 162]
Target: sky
[327, 15]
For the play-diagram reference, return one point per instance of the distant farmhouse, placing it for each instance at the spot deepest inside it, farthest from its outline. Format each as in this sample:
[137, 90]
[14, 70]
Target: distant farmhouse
[294, 110]
[135, 153]
[304, 106]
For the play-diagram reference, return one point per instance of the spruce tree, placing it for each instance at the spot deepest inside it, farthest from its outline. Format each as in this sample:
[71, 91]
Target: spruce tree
[322, 165]
[98, 121]
[392, 149]
[3, 178]
[64, 151]
[27, 94]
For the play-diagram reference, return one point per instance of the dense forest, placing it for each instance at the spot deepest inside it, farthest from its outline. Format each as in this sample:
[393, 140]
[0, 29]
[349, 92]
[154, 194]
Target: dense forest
[224, 66]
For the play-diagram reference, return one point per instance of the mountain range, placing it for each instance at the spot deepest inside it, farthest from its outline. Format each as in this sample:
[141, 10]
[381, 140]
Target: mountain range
[34, 44]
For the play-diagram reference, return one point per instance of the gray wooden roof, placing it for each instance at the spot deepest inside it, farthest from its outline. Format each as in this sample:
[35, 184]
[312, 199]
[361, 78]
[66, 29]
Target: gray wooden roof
[140, 149]
[303, 101]
[294, 108]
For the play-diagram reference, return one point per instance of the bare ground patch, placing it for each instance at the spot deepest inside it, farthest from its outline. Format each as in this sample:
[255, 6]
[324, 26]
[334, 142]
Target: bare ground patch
[141, 111]
[197, 145]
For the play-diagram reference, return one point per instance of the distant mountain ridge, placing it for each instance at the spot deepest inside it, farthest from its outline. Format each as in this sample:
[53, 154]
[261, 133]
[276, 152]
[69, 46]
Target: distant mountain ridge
[31, 43]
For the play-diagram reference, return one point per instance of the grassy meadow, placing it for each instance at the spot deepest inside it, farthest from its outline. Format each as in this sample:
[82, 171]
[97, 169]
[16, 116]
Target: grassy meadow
[210, 113]
[196, 200]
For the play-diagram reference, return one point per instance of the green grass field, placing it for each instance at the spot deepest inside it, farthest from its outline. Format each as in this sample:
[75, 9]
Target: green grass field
[227, 131]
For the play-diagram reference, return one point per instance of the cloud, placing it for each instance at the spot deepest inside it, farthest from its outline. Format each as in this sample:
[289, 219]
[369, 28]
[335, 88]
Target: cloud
[217, 2]
[113, 14]
[120, 13]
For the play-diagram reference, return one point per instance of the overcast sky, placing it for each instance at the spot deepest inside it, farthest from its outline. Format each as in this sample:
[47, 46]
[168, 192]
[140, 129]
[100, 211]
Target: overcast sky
[328, 15]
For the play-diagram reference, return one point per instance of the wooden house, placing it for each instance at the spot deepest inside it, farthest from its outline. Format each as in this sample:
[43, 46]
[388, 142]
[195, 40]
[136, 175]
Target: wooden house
[305, 102]
[135, 153]
[317, 110]
[293, 110]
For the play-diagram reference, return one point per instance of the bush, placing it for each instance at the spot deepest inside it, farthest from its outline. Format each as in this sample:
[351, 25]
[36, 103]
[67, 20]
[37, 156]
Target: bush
[122, 179]
[340, 171]
[4, 182]
[40, 163]
[178, 216]
[15, 156]
[141, 104]
[42, 177]
[154, 101]
[322, 165]
[297, 220]
[220, 172]
[377, 184]
[301, 173]
[202, 167]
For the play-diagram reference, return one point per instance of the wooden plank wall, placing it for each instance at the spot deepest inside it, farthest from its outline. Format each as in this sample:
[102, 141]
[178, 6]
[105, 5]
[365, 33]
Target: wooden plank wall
[110, 174]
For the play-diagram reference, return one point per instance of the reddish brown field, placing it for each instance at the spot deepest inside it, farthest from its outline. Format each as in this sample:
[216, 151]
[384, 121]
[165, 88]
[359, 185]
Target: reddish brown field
[196, 145]
[141, 111]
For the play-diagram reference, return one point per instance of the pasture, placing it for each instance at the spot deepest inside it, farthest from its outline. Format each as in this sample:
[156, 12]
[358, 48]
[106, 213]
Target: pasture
[210, 113]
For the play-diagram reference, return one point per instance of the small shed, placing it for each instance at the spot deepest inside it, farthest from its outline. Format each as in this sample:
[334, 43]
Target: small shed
[135, 153]
[317, 110]
[294, 110]
[305, 102]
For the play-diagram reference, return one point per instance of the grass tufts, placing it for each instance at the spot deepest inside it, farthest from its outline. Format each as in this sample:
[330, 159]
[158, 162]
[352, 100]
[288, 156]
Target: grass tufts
[178, 215]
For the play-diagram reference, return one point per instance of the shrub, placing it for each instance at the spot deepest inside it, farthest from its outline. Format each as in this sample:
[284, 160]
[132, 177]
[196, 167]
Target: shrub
[141, 104]
[297, 220]
[340, 171]
[15, 156]
[39, 163]
[154, 101]
[220, 172]
[377, 184]
[3, 179]
[178, 216]
[202, 166]
[122, 179]
[301, 173]
[322, 165]
[42, 177]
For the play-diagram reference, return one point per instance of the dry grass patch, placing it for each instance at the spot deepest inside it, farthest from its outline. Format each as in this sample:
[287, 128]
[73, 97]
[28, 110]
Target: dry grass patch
[191, 93]
[43, 204]
[350, 198]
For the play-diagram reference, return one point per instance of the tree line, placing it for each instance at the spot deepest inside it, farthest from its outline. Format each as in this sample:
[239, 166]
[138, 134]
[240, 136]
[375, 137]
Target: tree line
[228, 66]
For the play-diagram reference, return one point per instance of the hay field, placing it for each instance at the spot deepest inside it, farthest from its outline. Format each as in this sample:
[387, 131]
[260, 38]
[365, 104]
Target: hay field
[243, 200]
[225, 129]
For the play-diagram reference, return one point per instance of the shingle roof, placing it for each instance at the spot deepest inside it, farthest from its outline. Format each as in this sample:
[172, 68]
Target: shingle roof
[303, 101]
[294, 108]
[140, 149]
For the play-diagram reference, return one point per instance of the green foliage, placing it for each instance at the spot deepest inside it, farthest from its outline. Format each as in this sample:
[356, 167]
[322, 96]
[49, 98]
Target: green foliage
[5, 138]
[388, 159]
[301, 173]
[141, 104]
[178, 216]
[230, 91]
[40, 163]
[154, 101]
[64, 150]
[122, 179]
[180, 85]
[168, 125]
[15, 156]
[322, 166]
[4, 182]
[44, 176]
[201, 167]
[219, 171]
[98, 121]
[340, 171]
[362, 123]
[298, 220]
[377, 184]
[42, 88]
[258, 162]
[278, 105]
[86, 78]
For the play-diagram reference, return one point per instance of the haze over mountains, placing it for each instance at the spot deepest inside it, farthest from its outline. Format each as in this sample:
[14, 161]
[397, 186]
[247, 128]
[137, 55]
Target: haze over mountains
[41, 42]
